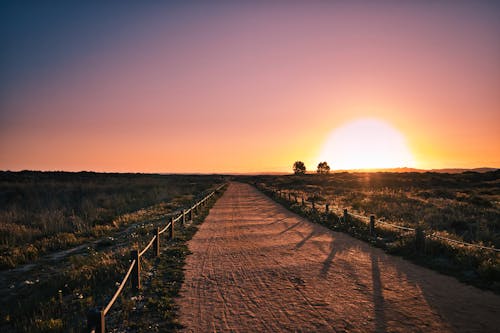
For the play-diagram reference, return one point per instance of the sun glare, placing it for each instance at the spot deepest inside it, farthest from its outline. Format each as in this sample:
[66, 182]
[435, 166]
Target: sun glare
[366, 144]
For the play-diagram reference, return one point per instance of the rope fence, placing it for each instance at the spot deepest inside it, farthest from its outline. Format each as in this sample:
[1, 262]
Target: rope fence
[96, 318]
[293, 197]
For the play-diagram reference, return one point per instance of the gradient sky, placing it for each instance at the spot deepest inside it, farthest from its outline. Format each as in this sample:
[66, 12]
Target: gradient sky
[232, 87]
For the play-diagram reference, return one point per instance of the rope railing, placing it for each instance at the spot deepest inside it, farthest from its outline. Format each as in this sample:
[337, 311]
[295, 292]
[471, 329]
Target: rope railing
[463, 243]
[120, 288]
[148, 246]
[96, 318]
[363, 217]
[287, 195]
[165, 229]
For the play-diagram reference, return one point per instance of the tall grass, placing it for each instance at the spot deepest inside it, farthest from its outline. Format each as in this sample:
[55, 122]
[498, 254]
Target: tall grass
[42, 212]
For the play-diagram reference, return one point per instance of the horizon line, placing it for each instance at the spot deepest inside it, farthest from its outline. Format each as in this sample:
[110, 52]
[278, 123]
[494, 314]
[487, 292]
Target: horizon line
[234, 173]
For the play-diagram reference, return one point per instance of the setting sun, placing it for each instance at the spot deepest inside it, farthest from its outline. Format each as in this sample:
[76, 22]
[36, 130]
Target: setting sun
[366, 144]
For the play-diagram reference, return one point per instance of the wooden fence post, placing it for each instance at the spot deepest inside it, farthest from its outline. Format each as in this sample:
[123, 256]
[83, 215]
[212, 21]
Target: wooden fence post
[183, 220]
[346, 216]
[327, 207]
[172, 228]
[136, 271]
[372, 225]
[303, 201]
[419, 240]
[96, 321]
[157, 242]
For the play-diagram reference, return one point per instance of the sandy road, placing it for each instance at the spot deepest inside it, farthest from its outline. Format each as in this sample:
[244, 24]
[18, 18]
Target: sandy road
[256, 267]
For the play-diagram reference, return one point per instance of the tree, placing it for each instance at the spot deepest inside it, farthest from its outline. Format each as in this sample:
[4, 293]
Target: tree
[299, 168]
[323, 168]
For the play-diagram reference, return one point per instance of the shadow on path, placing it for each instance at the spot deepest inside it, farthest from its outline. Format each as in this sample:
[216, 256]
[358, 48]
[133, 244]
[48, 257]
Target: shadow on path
[378, 297]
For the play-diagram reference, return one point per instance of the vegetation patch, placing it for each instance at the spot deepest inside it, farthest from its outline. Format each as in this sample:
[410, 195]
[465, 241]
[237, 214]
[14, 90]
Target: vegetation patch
[55, 292]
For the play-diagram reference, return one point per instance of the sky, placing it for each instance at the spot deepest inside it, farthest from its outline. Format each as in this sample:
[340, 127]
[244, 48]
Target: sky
[244, 86]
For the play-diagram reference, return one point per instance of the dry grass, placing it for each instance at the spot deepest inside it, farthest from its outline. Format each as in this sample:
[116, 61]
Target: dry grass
[42, 212]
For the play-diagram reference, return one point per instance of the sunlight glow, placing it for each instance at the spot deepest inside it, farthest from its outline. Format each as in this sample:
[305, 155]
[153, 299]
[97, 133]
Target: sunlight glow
[366, 144]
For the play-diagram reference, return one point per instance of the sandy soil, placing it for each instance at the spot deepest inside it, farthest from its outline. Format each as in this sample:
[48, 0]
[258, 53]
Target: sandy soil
[256, 267]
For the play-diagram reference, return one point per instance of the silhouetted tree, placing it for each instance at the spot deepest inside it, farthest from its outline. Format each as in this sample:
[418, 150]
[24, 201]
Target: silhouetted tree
[299, 168]
[323, 168]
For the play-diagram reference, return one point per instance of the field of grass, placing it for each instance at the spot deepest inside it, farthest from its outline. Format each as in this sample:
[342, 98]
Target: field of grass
[464, 207]
[42, 212]
[115, 213]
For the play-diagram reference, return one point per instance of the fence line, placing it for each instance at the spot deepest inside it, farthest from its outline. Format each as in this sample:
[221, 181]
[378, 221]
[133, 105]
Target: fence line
[165, 229]
[147, 246]
[286, 195]
[120, 288]
[96, 318]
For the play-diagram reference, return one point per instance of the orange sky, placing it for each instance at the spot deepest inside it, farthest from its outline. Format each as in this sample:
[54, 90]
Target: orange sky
[244, 88]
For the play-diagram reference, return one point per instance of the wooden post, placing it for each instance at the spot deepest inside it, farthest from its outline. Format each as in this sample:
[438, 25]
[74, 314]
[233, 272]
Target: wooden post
[419, 240]
[346, 216]
[157, 242]
[96, 321]
[303, 203]
[289, 197]
[183, 220]
[313, 207]
[372, 225]
[136, 271]
[172, 228]
[327, 208]
[191, 214]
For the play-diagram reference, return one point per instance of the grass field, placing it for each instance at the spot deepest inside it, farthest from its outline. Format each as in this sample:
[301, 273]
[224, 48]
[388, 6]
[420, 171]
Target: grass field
[463, 207]
[74, 233]
[42, 212]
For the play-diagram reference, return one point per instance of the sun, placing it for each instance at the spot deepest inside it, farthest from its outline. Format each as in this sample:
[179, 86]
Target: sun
[366, 144]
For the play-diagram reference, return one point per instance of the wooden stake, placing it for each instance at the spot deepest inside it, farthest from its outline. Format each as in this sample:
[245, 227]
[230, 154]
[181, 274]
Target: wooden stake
[136, 271]
[172, 228]
[372, 225]
[157, 242]
[96, 321]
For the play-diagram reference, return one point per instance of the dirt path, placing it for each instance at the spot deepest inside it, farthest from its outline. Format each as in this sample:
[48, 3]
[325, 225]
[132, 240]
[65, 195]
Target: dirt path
[256, 267]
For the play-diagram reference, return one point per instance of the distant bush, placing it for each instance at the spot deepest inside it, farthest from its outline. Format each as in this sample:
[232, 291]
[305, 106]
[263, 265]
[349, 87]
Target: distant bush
[323, 168]
[299, 168]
